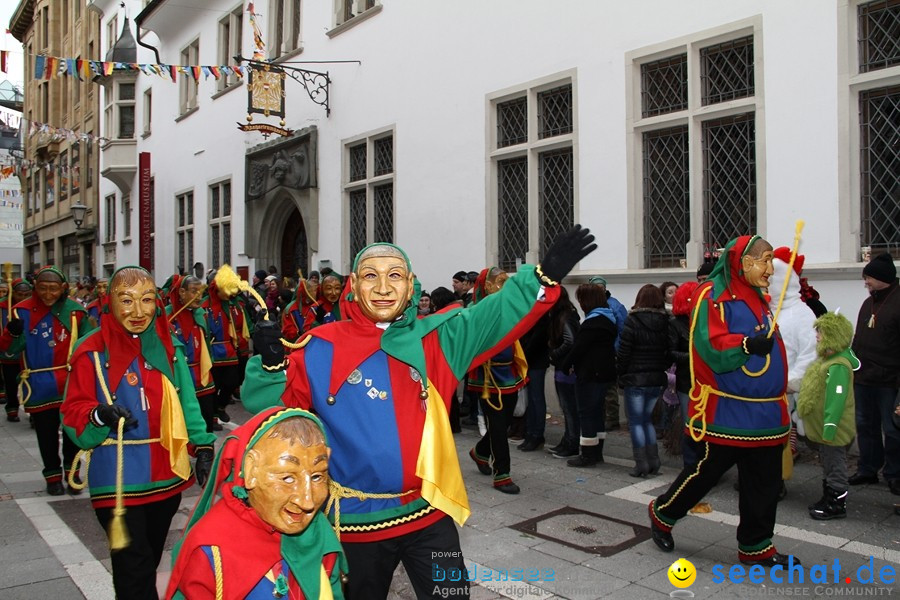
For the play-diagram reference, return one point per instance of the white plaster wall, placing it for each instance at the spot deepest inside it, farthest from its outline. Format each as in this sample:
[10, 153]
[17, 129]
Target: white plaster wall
[427, 68]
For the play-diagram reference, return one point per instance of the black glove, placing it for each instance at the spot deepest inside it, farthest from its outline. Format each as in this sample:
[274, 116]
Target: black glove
[109, 415]
[760, 345]
[320, 314]
[15, 326]
[267, 341]
[567, 249]
[203, 466]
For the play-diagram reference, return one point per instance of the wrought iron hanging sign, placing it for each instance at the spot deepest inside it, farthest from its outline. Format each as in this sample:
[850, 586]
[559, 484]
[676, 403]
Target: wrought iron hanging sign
[266, 96]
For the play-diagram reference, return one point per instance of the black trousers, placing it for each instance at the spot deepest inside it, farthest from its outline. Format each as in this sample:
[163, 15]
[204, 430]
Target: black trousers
[46, 426]
[759, 477]
[494, 443]
[432, 558]
[134, 567]
[227, 379]
[208, 409]
[11, 385]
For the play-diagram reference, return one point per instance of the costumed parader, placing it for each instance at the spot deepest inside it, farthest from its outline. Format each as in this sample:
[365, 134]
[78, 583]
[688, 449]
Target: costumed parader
[230, 327]
[496, 382]
[130, 406]
[737, 406]
[95, 306]
[380, 380]
[258, 531]
[187, 320]
[44, 328]
[300, 312]
[11, 362]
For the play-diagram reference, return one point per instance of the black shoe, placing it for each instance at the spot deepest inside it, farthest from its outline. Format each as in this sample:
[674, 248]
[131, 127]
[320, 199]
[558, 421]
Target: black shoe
[663, 539]
[782, 493]
[13, 417]
[581, 461]
[566, 452]
[222, 415]
[483, 466]
[55, 488]
[894, 484]
[775, 559]
[862, 478]
[216, 426]
[507, 488]
[531, 444]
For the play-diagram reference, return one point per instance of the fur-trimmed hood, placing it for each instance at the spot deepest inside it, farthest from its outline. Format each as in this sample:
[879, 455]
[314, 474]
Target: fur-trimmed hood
[836, 332]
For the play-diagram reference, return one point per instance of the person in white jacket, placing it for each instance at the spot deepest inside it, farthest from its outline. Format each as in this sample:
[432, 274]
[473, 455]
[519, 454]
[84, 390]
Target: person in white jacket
[795, 322]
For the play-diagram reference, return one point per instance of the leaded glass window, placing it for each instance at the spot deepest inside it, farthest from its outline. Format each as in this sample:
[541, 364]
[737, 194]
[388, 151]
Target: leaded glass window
[879, 35]
[666, 191]
[384, 155]
[512, 214]
[357, 221]
[726, 71]
[358, 162]
[664, 86]
[880, 170]
[512, 122]
[383, 214]
[555, 112]
[729, 178]
[556, 177]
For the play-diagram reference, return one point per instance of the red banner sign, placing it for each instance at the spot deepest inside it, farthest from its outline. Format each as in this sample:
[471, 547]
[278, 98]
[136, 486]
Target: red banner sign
[145, 212]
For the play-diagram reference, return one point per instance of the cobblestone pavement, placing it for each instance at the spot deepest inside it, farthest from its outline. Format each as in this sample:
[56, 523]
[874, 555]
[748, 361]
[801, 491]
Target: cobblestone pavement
[571, 533]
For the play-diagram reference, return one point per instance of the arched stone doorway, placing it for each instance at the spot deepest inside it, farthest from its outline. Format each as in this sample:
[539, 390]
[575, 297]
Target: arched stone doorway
[294, 247]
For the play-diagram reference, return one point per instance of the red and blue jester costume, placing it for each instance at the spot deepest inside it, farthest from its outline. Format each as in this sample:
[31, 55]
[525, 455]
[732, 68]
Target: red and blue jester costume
[382, 392]
[737, 409]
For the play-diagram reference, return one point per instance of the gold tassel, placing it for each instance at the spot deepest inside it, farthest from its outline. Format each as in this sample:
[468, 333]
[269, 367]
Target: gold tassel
[118, 531]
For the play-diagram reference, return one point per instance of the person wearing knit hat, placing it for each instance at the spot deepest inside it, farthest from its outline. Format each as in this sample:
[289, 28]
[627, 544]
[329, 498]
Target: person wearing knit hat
[380, 380]
[45, 328]
[130, 405]
[257, 530]
[877, 344]
[11, 362]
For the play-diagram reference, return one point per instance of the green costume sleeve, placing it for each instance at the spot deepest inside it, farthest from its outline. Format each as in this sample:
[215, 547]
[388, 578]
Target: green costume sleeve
[837, 386]
[193, 419]
[85, 325]
[717, 347]
[262, 389]
[484, 324]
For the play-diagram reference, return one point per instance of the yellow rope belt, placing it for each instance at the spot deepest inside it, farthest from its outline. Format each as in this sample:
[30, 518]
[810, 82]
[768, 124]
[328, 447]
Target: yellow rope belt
[339, 492]
[25, 387]
[86, 455]
[703, 398]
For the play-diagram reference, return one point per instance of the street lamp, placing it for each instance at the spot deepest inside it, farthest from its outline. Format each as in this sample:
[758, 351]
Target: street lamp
[78, 211]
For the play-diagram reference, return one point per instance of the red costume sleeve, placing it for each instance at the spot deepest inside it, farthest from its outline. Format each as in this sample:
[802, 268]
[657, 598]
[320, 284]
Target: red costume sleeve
[296, 391]
[197, 580]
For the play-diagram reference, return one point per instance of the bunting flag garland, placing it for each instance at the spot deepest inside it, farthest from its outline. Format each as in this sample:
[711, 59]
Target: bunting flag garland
[50, 67]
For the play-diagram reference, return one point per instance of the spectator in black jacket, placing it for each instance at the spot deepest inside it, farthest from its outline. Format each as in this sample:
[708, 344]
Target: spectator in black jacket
[642, 360]
[679, 353]
[561, 332]
[593, 357]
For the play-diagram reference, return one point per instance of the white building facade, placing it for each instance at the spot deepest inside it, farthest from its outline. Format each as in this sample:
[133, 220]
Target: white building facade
[470, 133]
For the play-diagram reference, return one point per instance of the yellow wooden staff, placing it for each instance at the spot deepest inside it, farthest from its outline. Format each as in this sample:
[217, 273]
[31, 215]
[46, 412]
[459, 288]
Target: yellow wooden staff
[7, 274]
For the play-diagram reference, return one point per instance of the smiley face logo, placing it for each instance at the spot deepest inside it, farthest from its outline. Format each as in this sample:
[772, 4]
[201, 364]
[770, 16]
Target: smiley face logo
[682, 573]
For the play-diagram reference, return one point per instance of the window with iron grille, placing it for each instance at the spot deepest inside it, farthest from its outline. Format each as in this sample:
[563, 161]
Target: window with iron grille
[729, 178]
[726, 71]
[879, 151]
[512, 122]
[666, 191]
[555, 111]
[533, 192]
[879, 34]
[184, 230]
[369, 189]
[556, 188]
[718, 194]
[219, 224]
[664, 86]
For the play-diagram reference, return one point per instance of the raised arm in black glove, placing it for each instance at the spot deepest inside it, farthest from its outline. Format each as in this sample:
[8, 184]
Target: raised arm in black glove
[567, 249]
[267, 341]
[760, 345]
[320, 313]
[109, 415]
[15, 326]
[203, 466]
